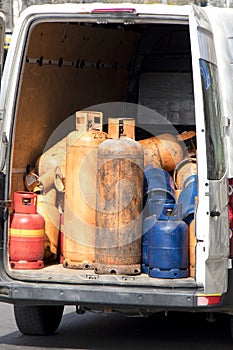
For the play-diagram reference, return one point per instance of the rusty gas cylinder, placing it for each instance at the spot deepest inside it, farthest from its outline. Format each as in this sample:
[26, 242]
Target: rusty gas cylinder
[119, 207]
[127, 124]
[80, 200]
[188, 143]
[162, 151]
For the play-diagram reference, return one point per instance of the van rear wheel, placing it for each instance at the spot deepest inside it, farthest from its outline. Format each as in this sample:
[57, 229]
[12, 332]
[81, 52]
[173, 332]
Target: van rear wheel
[38, 319]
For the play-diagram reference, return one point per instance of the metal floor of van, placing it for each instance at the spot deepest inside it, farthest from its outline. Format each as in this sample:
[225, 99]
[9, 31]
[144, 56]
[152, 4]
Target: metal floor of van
[58, 274]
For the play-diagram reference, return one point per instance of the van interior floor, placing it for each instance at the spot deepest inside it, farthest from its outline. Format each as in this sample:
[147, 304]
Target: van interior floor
[55, 273]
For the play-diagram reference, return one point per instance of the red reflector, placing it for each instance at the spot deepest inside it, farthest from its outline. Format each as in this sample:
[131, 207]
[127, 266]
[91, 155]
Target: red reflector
[208, 300]
[128, 10]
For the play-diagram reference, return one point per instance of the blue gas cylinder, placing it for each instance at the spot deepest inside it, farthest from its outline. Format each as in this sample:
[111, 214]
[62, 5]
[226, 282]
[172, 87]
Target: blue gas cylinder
[147, 226]
[168, 243]
[158, 186]
[187, 198]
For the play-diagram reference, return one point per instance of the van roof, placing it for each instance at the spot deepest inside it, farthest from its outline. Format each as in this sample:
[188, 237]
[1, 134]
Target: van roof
[118, 7]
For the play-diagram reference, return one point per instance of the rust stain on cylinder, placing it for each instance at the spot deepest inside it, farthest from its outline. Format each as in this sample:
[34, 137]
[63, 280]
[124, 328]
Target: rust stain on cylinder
[162, 151]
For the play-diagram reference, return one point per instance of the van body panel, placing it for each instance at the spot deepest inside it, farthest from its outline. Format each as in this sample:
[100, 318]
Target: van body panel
[224, 49]
[2, 38]
[214, 192]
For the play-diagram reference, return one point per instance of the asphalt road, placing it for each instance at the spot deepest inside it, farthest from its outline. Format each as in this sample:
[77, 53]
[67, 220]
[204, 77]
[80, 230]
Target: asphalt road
[114, 331]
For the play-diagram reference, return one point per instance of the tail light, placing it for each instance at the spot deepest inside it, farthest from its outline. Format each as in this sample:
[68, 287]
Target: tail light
[204, 300]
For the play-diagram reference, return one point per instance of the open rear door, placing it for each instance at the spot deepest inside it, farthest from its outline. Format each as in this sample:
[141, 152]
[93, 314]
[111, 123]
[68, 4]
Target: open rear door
[212, 227]
[2, 176]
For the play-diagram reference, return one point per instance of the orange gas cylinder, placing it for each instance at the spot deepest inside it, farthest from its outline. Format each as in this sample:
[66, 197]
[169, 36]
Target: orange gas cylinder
[51, 164]
[192, 248]
[119, 207]
[162, 151]
[80, 200]
[188, 142]
[27, 233]
[127, 124]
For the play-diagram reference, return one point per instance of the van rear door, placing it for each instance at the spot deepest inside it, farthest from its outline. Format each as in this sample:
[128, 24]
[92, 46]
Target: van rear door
[212, 225]
[2, 37]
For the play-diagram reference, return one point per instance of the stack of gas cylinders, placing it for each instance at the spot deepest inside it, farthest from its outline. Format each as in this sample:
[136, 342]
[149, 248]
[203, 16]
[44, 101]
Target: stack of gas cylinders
[168, 243]
[114, 204]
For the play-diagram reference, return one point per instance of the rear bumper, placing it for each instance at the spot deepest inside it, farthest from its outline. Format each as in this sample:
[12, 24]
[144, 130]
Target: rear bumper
[98, 295]
[110, 297]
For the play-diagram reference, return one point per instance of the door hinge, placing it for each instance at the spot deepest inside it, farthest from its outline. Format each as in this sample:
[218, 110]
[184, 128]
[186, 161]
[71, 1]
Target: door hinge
[4, 151]
[1, 114]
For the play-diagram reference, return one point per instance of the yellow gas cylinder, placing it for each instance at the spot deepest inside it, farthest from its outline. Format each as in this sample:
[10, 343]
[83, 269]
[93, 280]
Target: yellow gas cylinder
[192, 248]
[46, 206]
[47, 163]
[162, 151]
[119, 207]
[80, 200]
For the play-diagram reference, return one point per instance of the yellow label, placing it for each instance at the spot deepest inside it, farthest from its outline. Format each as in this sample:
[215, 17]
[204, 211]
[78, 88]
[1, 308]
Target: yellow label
[26, 233]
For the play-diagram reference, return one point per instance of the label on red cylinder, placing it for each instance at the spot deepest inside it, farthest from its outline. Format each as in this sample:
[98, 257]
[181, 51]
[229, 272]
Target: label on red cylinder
[26, 233]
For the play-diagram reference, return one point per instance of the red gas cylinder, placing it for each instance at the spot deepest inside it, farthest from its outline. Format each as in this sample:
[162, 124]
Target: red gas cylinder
[27, 233]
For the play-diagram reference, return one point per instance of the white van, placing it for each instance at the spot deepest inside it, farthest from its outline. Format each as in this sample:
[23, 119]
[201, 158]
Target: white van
[158, 70]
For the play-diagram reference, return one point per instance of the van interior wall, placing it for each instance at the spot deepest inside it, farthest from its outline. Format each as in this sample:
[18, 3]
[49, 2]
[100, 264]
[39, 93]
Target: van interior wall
[163, 75]
[67, 67]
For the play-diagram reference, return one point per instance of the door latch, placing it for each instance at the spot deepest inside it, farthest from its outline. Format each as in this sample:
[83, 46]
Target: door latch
[214, 213]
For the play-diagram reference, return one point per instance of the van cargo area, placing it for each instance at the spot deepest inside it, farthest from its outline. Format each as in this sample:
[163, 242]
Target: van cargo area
[98, 77]
[93, 76]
